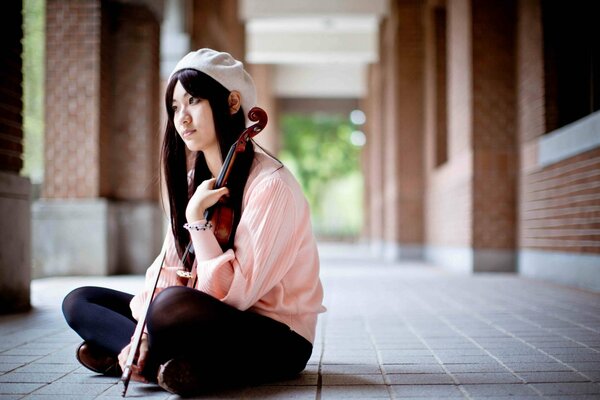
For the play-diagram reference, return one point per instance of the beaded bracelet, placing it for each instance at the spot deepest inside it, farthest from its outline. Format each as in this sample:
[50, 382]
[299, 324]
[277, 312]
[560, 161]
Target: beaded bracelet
[198, 227]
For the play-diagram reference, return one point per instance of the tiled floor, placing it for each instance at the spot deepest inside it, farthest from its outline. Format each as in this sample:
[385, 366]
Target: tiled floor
[404, 331]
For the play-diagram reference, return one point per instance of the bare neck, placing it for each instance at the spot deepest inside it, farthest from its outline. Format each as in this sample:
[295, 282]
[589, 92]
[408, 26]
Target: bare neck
[213, 161]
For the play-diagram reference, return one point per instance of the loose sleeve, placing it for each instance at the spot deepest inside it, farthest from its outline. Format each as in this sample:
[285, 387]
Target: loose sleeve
[264, 249]
[167, 278]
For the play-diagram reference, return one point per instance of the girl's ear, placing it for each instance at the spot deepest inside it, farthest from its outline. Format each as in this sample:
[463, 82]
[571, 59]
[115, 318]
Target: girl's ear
[235, 102]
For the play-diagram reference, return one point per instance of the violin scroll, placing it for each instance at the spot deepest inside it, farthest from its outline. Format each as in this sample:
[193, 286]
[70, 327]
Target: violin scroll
[257, 114]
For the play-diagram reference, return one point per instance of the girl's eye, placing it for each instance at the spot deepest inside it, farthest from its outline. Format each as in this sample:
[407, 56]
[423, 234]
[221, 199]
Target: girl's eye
[174, 109]
[193, 100]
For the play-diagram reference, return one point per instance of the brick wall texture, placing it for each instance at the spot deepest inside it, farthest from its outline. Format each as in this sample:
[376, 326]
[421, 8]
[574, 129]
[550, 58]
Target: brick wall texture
[72, 110]
[102, 80]
[449, 200]
[558, 204]
[494, 124]
[11, 121]
[490, 193]
[133, 86]
[400, 118]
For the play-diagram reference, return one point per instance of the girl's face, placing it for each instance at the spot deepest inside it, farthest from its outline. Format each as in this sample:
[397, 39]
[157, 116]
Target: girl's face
[193, 120]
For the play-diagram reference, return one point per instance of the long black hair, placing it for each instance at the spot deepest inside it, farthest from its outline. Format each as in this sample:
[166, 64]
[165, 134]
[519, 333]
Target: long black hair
[228, 127]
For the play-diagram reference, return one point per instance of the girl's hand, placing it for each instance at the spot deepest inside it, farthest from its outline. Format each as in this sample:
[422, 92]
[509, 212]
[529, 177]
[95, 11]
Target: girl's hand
[138, 365]
[204, 197]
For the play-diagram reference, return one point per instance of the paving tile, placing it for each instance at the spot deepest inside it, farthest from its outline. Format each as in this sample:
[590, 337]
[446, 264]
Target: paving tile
[557, 351]
[512, 389]
[413, 369]
[585, 366]
[593, 375]
[471, 368]
[552, 376]
[508, 359]
[510, 397]
[392, 359]
[364, 392]
[486, 377]
[419, 379]
[568, 388]
[279, 392]
[427, 398]
[485, 359]
[19, 388]
[60, 397]
[135, 390]
[5, 367]
[537, 367]
[41, 367]
[73, 389]
[332, 369]
[590, 357]
[354, 379]
[302, 380]
[20, 359]
[430, 391]
[23, 377]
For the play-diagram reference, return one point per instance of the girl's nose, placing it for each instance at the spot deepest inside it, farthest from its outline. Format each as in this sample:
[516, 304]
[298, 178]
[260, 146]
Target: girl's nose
[184, 118]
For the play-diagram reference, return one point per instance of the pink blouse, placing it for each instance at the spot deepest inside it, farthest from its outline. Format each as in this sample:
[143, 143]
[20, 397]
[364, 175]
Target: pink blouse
[272, 270]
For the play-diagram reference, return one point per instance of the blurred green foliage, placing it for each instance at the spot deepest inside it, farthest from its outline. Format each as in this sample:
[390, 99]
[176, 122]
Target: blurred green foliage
[318, 151]
[34, 14]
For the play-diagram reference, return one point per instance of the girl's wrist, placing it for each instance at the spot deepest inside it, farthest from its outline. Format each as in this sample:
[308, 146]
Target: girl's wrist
[195, 216]
[201, 225]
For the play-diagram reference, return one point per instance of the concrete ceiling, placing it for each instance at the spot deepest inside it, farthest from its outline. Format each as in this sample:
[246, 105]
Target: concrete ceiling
[320, 48]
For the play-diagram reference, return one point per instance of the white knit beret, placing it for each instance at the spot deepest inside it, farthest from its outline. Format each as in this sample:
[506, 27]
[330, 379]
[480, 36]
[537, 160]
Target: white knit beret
[226, 70]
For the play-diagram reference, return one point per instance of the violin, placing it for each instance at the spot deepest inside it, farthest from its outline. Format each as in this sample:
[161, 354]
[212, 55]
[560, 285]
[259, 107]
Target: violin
[221, 215]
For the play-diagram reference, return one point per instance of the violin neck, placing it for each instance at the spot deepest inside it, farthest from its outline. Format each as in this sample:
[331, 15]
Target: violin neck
[226, 168]
[223, 176]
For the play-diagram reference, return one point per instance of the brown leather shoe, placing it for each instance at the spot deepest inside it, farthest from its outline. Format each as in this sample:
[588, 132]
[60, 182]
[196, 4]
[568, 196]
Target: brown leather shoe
[179, 376]
[98, 360]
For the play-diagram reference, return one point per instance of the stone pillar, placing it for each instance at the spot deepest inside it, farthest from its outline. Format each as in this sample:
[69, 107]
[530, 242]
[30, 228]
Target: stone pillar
[98, 214]
[15, 231]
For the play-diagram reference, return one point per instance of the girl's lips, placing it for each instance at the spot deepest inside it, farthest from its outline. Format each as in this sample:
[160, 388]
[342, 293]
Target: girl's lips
[188, 132]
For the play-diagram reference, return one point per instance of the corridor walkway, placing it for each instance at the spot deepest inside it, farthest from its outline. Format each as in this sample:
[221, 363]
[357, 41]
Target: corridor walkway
[406, 331]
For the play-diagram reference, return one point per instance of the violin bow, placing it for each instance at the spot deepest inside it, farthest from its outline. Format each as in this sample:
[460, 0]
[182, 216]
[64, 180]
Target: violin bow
[139, 328]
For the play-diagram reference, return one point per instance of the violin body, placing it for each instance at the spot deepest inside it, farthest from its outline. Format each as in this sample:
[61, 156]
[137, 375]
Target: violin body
[221, 215]
[222, 222]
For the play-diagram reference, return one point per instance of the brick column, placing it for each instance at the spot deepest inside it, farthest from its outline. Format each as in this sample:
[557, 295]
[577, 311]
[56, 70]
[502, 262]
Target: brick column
[15, 258]
[263, 79]
[471, 173]
[374, 164]
[216, 24]
[495, 161]
[101, 140]
[402, 63]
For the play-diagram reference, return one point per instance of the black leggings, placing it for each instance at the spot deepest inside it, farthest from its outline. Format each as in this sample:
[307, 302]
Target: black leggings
[228, 346]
